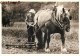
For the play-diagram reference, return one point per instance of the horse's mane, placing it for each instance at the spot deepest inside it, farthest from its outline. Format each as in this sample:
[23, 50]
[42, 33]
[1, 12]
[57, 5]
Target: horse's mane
[59, 12]
[59, 7]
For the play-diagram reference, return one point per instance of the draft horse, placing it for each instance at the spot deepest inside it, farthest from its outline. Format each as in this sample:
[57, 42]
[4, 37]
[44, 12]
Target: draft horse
[48, 23]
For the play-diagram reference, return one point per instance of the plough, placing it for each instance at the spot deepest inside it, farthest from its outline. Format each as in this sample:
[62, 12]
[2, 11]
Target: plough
[28, 44]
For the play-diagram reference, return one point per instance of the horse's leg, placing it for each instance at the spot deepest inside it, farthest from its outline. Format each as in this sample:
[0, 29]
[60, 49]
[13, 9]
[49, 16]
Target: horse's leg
[39, 38]
[45, 38]
[48, 41]
[63, 49]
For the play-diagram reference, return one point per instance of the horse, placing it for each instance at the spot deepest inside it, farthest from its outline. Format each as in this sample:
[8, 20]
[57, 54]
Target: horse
[48, 23]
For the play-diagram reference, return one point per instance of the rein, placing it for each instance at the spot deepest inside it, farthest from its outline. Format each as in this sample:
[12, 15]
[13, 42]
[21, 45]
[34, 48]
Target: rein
[59, 24]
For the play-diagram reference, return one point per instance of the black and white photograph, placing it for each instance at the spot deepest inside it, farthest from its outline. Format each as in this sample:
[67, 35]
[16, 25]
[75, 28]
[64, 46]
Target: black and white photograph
[40, 27]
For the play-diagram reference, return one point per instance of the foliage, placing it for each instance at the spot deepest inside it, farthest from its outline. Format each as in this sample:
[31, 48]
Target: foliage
[18, 10]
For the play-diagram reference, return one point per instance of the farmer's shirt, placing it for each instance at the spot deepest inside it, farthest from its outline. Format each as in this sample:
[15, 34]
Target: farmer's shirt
[30, 19]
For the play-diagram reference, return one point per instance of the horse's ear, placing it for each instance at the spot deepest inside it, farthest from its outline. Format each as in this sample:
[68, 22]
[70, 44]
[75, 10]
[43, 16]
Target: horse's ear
[63, 10]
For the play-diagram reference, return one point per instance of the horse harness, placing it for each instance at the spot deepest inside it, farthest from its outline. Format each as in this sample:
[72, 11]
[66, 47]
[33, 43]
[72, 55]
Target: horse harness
[60, 24]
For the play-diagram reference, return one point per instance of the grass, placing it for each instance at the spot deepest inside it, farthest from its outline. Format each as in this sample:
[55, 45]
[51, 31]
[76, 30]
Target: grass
[11, 35]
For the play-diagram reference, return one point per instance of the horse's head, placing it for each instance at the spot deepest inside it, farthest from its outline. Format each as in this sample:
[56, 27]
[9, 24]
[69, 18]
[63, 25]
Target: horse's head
[64, 16]
[66, 19]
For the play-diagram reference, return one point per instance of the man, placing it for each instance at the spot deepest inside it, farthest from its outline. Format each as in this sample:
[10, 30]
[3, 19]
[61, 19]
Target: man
[30, 27]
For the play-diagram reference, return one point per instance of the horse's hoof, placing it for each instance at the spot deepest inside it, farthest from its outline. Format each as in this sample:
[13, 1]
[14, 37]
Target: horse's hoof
[64, 50]
[47, 50]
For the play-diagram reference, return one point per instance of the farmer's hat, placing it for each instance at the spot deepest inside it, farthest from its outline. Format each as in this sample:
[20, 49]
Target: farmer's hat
[32, 11]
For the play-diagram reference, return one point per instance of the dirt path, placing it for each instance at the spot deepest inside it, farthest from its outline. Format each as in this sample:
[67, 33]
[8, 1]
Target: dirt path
[55, 45]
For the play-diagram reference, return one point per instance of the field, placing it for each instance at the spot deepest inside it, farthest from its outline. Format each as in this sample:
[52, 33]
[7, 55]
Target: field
[11, 35]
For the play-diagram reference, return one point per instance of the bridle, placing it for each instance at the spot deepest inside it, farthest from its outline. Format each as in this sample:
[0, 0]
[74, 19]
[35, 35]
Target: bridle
[58, 22]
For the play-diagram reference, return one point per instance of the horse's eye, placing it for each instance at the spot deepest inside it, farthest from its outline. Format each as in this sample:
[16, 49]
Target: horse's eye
[70, 17]
[65, 14]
